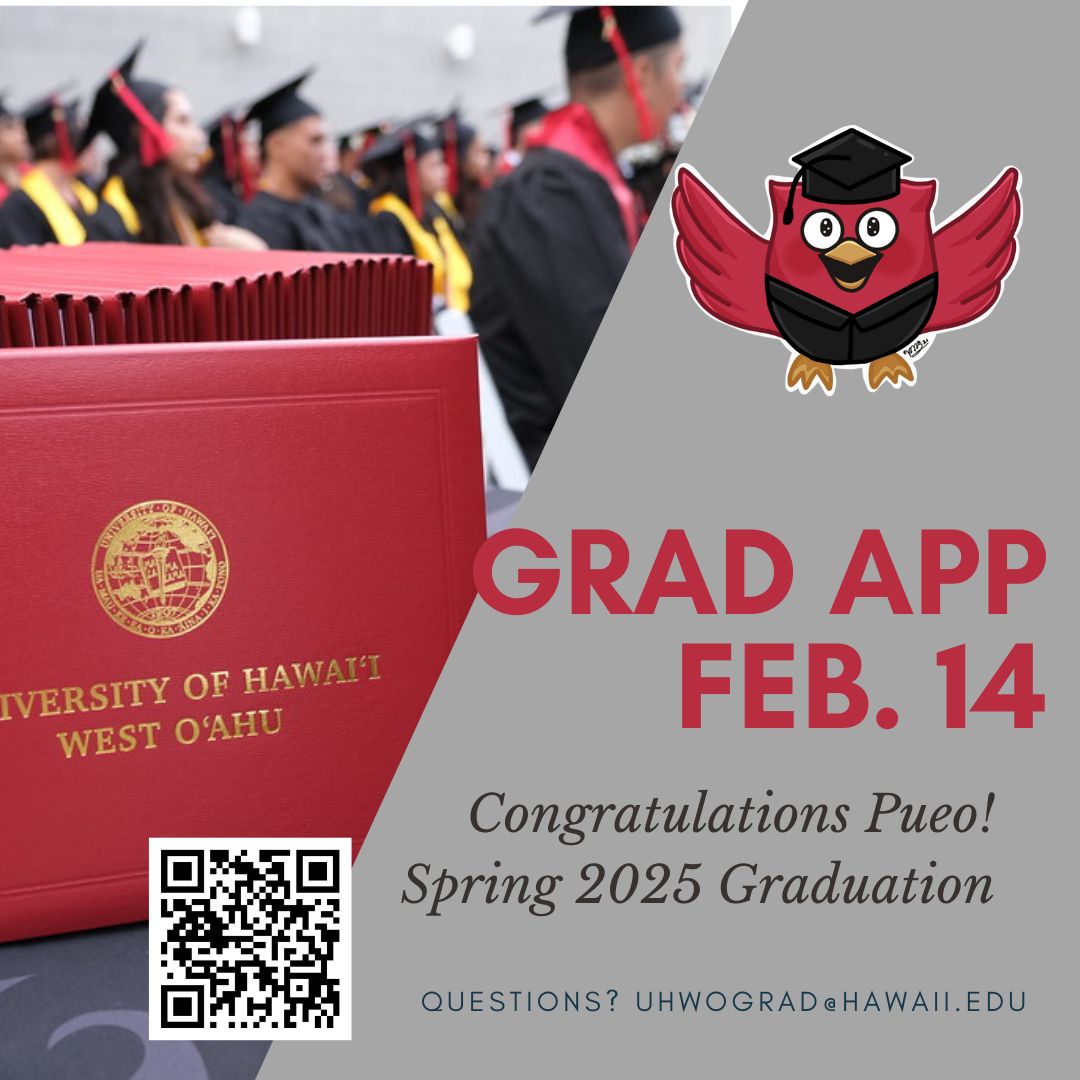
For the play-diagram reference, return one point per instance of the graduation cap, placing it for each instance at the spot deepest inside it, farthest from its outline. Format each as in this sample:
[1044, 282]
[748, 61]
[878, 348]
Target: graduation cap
[400, 147]
[282, 106]
[224, 136]
[456, 137]
[389, 149]
[363, 138]
[595, 33]
[124, 105]
[525, 112]
[852, 167]
[50, 115]
[598, 36]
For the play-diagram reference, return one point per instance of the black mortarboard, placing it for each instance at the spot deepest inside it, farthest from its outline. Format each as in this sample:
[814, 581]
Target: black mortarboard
[112, 111]
[399, 149]
[588, 40]
[41, 116]
[526, 112]
[388, 150]
[363, 137]
[225, 152]
[851, 167]
[282, 106]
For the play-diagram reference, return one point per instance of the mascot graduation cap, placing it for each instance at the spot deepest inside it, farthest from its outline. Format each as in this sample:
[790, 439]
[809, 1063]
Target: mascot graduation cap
[853, 272]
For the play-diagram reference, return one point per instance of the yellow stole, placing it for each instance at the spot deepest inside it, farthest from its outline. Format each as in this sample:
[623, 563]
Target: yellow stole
[452, 270]
[62, 219]
[446, 202]
[115, 194]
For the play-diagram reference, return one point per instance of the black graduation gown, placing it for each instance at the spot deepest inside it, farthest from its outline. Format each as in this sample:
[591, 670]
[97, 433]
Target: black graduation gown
[23, 222]
[384, 234]
[227, 203]
[306, 225]
[311, 225]
[547, 254]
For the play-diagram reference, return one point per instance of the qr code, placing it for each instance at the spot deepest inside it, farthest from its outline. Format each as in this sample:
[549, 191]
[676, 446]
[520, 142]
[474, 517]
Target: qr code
[250, 938]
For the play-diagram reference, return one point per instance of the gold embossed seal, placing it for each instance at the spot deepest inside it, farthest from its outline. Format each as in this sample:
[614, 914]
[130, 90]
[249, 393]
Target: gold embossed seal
[160, 569]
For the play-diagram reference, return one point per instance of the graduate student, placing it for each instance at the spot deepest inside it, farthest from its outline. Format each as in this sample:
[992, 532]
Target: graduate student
[51, 204]
[557, 232]
[469, 173]
[288, 211]
[152, 179]
[230, 171]
[407, 171]
[14, 150]
[523, 118]
[348, 189]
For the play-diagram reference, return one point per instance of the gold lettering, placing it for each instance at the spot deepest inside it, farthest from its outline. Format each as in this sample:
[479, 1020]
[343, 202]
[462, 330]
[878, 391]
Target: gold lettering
[72, 741]
[50, 703]
[308, 674]
[104, 740]
[196, 686]
[73, 700]
[281, 679]
[149, 730]
[255, 680]
[277, 726]
[218, 730]
[333, 671]
[158, 686]
[99, 696]
[244, 723]
[192, 731]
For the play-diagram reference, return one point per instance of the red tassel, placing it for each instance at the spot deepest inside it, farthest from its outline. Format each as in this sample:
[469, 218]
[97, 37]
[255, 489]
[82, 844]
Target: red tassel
[412, 177]
[613, 36]
[453, 185]
[63, 138]
[154, 144]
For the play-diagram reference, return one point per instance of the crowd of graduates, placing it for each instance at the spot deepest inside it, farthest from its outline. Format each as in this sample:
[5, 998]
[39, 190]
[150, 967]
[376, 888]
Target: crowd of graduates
[528, 239]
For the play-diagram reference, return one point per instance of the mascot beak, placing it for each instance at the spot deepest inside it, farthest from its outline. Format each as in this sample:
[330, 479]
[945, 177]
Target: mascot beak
[850, 264]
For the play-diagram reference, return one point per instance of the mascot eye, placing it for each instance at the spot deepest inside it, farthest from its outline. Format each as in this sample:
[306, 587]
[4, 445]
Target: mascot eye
[877, 228]
[822, 230]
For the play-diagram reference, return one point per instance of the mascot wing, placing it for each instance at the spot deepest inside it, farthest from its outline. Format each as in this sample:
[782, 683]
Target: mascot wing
[723, 258]
[974, 252]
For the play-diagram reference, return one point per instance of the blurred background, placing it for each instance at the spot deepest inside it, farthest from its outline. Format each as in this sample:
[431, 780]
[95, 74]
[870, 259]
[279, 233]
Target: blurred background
[373, 63]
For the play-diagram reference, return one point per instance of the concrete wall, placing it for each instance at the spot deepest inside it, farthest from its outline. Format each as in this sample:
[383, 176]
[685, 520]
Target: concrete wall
[373, 62]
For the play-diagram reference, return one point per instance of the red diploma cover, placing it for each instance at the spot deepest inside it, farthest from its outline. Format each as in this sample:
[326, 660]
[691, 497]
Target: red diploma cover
[231, 575]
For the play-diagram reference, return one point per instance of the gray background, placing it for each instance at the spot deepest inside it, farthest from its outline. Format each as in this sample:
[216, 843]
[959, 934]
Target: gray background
[374, 62]
[677, 421]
